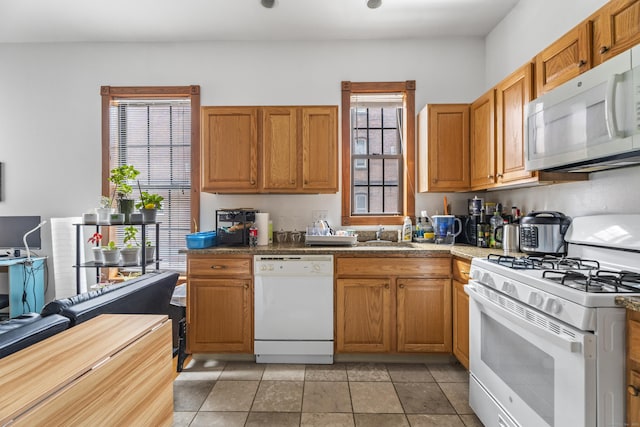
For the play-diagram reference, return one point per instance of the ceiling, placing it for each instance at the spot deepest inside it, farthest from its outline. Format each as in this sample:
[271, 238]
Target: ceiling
[206, 20]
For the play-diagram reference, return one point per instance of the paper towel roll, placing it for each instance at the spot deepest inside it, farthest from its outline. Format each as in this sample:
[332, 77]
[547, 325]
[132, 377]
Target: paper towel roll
[262, 224]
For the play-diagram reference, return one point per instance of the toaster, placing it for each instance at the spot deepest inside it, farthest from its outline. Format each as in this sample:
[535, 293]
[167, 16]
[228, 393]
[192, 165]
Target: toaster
[542, 233]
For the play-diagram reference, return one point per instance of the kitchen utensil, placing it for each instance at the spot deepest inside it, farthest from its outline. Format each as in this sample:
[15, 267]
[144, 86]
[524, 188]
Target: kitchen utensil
[543, 232]
[509, 236]
[444, 228]
[446, 207]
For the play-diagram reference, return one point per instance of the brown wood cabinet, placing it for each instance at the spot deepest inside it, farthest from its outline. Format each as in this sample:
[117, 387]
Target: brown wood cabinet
[512, 95]
[229, 149]
[461, 268]
[270, 149]
[483, 141]
[615, 28]
[219, 304]
[443, 148]
[393, 304]
[564, 59]
[633, 368]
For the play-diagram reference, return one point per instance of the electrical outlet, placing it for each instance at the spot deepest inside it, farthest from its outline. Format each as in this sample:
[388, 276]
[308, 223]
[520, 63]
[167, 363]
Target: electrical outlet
[319, 215]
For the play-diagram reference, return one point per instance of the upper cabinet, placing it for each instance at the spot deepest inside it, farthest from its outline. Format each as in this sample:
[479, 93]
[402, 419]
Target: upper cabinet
[230, 149]
[512, 95]
[270, 149]
[563, 60]
[319, 149]
[483, 141]
[615, 28]
[443, 148]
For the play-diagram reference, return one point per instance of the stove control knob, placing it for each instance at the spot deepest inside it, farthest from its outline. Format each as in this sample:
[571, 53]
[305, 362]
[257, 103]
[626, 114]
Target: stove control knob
[508, 288]
[263, 267]
[553, 306]
[270, 267]
[536, 299]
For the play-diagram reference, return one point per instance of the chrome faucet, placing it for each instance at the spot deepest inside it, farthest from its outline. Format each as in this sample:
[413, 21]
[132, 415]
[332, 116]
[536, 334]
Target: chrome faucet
[379, 232]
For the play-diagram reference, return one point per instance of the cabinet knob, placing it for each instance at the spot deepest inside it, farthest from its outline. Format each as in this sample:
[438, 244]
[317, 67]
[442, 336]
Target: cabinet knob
[500, 175]
[466, 273]
[253, 182]
[582, 63]
[401, 286]
[217, 267]
[604, 49]
[633, 390]
[246, 286]
[489, 176]
[386, 286]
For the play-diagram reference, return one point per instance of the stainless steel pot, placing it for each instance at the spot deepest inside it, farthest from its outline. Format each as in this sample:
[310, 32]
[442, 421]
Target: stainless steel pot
[543, 232]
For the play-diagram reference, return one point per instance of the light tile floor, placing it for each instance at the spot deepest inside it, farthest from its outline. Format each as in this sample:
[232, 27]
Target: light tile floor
[230, 394]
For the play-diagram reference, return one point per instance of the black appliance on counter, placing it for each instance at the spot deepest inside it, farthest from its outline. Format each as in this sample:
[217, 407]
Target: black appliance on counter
[469, 234]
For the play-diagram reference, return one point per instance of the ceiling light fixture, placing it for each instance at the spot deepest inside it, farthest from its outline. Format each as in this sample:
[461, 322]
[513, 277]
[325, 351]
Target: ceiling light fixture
[269, 4]
[374, 4]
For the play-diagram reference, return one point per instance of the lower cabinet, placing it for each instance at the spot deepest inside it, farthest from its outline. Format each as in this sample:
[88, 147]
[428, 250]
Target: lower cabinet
[633, 368]
[220, 304]
[388, 305]
[461, 270]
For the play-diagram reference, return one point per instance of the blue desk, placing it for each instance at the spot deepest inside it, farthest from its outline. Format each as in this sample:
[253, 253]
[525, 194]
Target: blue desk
[26, 284]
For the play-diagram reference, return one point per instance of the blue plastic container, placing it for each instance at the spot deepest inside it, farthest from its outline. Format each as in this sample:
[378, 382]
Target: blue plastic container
[201, 240]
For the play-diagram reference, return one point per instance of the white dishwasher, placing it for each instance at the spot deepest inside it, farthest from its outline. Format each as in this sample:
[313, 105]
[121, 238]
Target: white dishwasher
[293, 303]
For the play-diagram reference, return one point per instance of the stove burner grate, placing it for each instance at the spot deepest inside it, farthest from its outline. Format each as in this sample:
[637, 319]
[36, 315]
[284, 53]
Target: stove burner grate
[544, 262]
[596, 280]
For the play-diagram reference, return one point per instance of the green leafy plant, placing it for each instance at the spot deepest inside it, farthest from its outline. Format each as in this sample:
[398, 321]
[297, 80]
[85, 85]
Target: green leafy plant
[130, 236]
[149, 201]
[120, 177]
[111, 246]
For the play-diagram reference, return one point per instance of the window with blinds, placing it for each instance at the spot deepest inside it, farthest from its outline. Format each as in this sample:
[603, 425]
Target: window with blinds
[154, 135]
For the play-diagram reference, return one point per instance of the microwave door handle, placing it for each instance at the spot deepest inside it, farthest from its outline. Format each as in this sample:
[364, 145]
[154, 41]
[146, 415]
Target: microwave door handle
[496, 310]
[610, 107]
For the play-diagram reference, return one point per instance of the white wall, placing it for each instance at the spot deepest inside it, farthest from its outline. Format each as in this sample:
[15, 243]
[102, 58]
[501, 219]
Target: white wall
[50, 114]
[530, 27]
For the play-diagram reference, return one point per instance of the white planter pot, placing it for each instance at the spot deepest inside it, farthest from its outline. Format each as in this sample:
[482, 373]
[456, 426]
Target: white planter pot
[97, 255]
[149, 254]
[130, 256]
[111, 256]
[103, 215]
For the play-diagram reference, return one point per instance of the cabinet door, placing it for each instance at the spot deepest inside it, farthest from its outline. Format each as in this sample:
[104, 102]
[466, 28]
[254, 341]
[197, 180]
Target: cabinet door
[460, 323]
[424, 315]
[279, 149]
[563, 60]
[445, 141]
[363, 318]
[220, 316]
[319, 149]
[483, 157]
[230, 149]
[513, 93]
[616, 28]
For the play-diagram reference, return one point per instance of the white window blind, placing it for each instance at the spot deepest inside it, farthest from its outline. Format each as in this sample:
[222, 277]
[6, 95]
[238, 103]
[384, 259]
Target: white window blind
[154, 135]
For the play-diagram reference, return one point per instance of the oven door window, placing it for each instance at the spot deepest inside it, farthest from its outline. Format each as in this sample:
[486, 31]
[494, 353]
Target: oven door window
[525, 368]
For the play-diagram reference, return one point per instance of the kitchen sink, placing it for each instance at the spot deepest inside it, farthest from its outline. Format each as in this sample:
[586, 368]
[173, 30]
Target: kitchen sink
[385, 243]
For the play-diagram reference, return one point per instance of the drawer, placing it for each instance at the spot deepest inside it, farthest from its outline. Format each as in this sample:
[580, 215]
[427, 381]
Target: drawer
[362, 267]
[214, 266]
[461, 270]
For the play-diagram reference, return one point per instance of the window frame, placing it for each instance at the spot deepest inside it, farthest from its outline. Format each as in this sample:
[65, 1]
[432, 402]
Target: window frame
[408, 176]
[109, 93]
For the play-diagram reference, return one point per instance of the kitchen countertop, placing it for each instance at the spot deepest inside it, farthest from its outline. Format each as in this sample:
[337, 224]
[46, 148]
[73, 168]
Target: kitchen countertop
[630, 303]
[422, 249]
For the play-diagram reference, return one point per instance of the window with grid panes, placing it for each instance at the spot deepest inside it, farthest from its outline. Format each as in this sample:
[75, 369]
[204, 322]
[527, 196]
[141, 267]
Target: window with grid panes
[376, 154]
[154, 135]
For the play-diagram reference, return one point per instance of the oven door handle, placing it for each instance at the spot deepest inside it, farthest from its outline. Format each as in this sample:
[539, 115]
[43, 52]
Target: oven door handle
[495, 309]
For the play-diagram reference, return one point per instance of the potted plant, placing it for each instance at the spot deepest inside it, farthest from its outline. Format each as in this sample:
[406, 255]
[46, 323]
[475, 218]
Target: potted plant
[111, 253]
[149, 204]
[132, 248]
[104, 211]
[97, 250]
[149, 251]
[120, 177]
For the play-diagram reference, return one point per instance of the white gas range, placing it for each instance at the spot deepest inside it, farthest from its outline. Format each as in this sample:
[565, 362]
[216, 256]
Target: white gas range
[547, 340]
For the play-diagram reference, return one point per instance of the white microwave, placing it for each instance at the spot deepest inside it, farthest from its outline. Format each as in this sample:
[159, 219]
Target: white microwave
[589, 123]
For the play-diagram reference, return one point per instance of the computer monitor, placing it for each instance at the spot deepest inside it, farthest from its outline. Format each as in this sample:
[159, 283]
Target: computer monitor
[13, 229]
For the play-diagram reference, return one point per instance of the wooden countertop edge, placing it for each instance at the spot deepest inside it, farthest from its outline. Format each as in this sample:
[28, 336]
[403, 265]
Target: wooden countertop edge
[417, 249]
